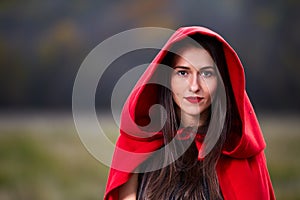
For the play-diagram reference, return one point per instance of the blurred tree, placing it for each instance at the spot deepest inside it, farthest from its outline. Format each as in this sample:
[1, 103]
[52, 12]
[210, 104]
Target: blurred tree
[42, 44]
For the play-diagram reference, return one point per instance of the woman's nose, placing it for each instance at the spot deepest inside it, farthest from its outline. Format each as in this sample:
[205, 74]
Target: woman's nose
[195, 83]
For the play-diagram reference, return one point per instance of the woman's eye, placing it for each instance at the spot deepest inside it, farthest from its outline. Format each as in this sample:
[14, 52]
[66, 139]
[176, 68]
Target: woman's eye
[207, 74]
[182, 73]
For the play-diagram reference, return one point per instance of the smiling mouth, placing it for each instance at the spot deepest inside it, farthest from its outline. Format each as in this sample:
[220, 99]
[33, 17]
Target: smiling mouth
[194, 99]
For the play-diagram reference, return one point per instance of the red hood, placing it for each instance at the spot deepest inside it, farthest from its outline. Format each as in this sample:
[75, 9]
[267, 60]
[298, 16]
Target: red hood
[244, 145]
[136, 109]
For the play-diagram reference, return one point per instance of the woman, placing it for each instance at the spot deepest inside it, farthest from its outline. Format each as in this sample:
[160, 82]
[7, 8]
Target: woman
[205, 143]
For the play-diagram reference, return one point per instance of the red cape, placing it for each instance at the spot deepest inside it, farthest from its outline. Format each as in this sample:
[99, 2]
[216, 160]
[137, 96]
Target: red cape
[241, 170]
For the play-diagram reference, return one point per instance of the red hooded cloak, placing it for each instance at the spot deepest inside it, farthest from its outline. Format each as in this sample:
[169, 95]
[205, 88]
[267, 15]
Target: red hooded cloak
[241, 169]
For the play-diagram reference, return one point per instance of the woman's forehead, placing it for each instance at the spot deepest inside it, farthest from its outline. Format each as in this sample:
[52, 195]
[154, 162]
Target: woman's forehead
[192, 56]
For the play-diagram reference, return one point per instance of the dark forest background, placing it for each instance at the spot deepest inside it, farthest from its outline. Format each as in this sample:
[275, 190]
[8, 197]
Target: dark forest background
[43, 43]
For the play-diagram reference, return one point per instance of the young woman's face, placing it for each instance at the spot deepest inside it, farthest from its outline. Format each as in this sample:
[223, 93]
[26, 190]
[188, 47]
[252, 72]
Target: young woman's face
[193, 81]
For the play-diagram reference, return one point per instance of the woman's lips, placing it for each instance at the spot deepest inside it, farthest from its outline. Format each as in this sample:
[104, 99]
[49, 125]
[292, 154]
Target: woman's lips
[194, 99]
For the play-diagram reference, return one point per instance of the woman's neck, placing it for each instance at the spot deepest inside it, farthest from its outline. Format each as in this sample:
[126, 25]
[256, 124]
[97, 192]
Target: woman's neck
[187, 120]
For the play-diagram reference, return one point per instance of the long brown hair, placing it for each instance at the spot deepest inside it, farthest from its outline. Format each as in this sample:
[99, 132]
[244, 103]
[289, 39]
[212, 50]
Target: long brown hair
[187, 177]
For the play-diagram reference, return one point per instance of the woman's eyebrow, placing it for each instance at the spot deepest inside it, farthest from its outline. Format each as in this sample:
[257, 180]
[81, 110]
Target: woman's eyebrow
[208, 67]
[202, 68]
[181, 67]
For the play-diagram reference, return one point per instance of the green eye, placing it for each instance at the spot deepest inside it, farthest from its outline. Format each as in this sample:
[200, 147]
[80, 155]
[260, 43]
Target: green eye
[207, 74]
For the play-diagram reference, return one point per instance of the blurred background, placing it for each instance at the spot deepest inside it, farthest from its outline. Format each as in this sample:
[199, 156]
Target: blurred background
[43, 43]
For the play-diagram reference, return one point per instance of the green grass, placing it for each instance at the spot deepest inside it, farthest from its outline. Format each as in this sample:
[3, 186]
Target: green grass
[282, 135]
[49, 165]
[46, 160]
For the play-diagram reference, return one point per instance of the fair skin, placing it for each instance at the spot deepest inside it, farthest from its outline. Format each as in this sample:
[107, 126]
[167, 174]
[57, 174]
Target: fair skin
[193, 83]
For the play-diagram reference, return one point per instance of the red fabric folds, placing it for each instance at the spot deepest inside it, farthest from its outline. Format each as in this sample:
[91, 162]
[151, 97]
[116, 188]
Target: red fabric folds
[241, 170]
[188, 134]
